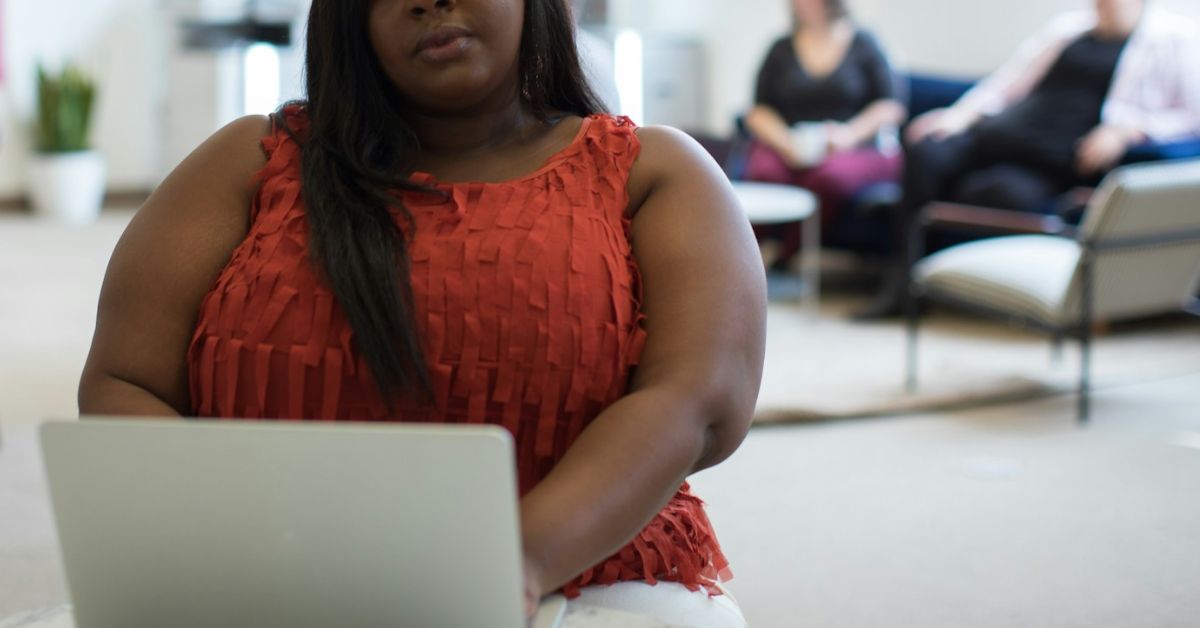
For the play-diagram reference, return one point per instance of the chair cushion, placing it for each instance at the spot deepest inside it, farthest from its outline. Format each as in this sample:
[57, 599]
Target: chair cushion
[1026, 275]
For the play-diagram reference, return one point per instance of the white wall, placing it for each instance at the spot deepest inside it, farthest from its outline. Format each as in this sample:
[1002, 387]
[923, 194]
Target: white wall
[119, 42]
[956, 37]
[126, 46]
[969, 37]
[125, 43]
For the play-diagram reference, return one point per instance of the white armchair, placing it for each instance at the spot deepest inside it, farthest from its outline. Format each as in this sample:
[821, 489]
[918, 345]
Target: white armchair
[1136, 253]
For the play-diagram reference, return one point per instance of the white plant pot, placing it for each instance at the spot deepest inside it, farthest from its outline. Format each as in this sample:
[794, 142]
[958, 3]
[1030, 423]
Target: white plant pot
[67, 187]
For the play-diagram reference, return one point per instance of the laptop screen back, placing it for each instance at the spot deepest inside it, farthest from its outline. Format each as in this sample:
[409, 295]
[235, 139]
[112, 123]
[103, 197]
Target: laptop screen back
[203, 524]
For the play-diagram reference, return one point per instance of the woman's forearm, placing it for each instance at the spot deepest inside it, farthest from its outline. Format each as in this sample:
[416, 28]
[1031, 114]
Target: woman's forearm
[621, 471]
[876, 116]
[767, 126]
[106, 395]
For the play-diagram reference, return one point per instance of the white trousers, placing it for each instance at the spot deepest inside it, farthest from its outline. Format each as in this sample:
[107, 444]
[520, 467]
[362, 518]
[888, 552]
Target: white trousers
[668, 602]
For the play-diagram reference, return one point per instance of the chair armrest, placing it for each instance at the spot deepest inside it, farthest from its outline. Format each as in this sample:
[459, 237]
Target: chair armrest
[987, 219]
[731, 153]
[741, 127]
[737, 158]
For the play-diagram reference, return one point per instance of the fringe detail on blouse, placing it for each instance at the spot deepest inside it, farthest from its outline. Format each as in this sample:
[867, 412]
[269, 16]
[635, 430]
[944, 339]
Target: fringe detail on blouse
[528, 298]
[677, 546]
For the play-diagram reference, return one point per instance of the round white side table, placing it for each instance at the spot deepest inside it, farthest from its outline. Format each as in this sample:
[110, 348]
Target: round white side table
[773, 204]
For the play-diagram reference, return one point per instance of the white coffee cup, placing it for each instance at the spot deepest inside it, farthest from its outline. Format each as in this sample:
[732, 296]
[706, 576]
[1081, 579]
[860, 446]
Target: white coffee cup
[887, 140]
[810, 142]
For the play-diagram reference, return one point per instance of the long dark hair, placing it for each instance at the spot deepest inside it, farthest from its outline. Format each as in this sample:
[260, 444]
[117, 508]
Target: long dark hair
[357, 153]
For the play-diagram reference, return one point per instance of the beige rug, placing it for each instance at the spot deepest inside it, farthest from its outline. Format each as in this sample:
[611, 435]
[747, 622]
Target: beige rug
[828, 367]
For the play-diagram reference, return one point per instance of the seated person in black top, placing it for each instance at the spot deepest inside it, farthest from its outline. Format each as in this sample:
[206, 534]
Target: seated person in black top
[1059, 115]
[825, 93]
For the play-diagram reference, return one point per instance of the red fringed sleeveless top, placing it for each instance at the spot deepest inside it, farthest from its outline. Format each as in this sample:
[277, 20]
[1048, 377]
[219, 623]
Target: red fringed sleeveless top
[527, 297]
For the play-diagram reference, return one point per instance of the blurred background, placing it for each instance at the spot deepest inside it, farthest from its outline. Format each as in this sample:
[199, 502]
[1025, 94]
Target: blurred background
[856, 504]
[160, 94]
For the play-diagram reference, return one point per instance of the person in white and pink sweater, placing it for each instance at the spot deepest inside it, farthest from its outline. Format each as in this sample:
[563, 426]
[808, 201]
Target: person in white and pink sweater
[1061, 113]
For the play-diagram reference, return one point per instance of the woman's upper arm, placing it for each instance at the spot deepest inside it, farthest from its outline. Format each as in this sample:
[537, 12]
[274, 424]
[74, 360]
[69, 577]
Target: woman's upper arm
[704, 285]
[886, 83]
[769, 75]
[163, 265]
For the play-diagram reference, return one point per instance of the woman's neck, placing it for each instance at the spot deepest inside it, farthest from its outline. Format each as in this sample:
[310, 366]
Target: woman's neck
[458, 134]
[822, 29]
[1118, 24]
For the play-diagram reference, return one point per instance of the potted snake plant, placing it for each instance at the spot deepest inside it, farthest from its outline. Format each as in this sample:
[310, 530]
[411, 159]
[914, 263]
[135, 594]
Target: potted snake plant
[66, 177]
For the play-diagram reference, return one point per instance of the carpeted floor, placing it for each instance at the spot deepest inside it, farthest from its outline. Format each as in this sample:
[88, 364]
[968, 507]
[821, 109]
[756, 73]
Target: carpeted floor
[830, 367]
[997, 517]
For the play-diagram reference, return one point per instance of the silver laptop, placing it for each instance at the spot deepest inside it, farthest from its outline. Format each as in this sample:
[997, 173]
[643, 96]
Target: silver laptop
[202, 524]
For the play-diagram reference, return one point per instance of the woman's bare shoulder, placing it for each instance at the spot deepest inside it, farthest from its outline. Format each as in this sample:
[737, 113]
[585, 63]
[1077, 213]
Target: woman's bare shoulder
[218, 177]
[235, 151]
[205, 201]
[668, 155]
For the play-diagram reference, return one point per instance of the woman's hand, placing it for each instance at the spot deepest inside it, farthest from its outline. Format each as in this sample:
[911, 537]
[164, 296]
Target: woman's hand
[939, 124]
[767, 126]
[865, 127]
[1102, 148]
[840, 137]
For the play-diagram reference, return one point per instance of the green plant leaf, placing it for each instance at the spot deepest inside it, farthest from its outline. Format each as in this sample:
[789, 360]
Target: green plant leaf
[64, 111]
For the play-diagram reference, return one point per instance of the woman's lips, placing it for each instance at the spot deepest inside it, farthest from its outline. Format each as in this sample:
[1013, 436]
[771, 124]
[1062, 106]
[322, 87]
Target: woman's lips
[444, 43]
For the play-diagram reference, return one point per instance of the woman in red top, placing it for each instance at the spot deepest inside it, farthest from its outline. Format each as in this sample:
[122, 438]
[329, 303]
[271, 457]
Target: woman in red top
[448, 230]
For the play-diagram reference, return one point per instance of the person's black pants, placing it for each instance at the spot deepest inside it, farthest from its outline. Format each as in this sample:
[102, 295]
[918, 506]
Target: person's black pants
[983, 170]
